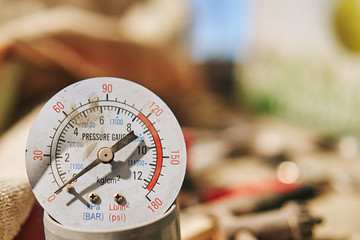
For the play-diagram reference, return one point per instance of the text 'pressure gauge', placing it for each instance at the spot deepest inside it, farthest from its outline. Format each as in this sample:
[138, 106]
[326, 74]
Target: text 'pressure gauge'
[105, 153]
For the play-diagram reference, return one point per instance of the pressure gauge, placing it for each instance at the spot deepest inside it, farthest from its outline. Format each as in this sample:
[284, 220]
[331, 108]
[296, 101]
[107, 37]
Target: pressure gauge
[105, 153]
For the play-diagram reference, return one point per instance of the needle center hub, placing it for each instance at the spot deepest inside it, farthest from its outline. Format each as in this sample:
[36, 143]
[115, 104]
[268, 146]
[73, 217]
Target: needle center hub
[105, 155]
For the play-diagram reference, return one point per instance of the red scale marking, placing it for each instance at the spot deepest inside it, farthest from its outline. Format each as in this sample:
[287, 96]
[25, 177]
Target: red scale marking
[158, 150]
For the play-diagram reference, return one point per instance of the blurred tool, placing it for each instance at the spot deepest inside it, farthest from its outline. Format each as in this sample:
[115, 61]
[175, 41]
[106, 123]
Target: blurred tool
[254, 207]
[291, 222]
[200, 227]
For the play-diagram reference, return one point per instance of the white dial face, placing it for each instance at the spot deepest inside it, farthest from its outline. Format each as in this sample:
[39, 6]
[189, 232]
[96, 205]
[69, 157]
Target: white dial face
[105, 153]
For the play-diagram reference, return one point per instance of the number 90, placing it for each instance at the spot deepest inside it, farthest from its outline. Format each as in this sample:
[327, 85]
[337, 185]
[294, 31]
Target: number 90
[107, 88]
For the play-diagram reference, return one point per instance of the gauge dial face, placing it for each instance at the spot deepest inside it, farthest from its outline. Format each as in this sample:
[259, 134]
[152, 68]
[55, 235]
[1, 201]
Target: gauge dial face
[116, 120]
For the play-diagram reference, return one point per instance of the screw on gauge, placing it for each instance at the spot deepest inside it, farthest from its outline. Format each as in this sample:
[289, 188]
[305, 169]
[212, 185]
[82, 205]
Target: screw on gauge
[69, 187]
[105, 155]
[93, 197]
[118, 198]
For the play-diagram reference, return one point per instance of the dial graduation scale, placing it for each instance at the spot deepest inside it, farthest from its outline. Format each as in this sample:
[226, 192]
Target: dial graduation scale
[105, 154]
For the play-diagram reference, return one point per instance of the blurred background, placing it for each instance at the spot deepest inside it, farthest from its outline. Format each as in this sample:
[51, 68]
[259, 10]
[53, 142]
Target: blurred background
[266, 93]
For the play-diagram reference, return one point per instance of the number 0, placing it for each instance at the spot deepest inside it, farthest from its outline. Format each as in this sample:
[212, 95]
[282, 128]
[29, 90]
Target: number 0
[51, 198]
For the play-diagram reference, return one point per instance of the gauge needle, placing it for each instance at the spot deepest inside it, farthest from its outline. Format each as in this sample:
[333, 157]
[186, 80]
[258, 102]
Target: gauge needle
[104, 155]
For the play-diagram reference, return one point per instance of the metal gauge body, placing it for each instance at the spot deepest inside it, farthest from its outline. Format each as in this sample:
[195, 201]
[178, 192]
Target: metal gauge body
[105, 153]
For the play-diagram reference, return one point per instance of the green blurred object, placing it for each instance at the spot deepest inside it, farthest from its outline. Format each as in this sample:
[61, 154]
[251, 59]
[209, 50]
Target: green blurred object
[304, 91]
[299, 72]
[347, 23]
[11, 75]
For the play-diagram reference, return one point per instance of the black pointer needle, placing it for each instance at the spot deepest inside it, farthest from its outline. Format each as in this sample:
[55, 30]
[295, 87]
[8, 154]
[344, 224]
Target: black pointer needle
[104, 155]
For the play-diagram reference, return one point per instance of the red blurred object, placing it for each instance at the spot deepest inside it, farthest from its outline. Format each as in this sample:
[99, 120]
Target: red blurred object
[33, 228]
[251, 189]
